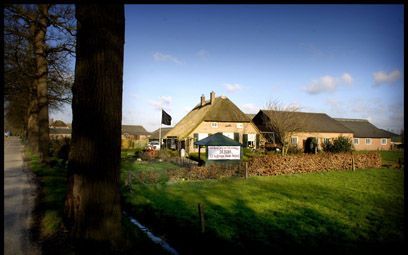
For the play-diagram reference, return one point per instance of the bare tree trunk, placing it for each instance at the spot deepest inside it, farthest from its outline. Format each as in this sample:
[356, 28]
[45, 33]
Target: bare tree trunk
[92, 205]
[32, 120]
[41, 77]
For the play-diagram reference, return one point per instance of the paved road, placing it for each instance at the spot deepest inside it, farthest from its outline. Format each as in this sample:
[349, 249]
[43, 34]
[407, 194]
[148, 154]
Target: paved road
[19, 196]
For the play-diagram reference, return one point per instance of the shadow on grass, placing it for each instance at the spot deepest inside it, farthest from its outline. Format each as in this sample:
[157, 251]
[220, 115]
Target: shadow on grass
[48, 228]
[236, 228]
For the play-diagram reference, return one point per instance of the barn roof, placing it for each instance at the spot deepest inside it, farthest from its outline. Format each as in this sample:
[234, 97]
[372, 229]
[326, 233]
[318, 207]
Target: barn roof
[314, 122]
[134, 130]
[164, 131]
[364, 129]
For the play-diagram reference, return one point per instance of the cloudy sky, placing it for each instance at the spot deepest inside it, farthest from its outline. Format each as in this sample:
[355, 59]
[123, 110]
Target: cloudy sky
[343, 60]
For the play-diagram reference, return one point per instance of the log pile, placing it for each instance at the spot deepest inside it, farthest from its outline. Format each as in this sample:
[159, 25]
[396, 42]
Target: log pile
[203, 173]
[275, 164]
[306, 163]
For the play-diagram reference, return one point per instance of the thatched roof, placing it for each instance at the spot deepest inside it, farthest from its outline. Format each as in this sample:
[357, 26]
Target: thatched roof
[58, 123]
[222, 110]
[364, 129]
[134, 130]
[311, 122]
[155, 134]
[218, 139]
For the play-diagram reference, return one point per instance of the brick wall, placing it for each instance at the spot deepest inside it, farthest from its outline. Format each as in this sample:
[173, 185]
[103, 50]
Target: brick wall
[375, 144]
[304, 135]
[231, 127]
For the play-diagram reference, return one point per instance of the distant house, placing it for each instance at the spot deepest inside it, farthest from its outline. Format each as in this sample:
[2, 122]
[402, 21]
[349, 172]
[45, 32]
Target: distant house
[134, 136]
[59, 133]
[59, 130]
[155, 135]
[135, 132]
[218, 114]
[59, 124]
[318, 126]
[366, 135]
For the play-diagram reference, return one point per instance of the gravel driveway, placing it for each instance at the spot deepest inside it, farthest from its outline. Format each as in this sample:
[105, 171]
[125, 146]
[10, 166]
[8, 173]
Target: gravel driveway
[19, 197]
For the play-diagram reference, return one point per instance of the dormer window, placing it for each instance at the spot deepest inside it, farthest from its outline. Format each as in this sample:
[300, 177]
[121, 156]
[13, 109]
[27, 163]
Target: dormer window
[214, 124]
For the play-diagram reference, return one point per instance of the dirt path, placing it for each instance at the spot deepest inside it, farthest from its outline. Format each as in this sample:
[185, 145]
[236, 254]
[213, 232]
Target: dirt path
[19, 198]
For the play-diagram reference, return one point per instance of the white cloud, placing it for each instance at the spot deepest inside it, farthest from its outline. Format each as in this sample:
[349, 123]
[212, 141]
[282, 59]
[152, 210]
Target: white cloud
[162, 102]
[158, 56]
[250, 108]
[346, 78]
[233, 87]
[203, 54]
[381, 77]
[328, 83]
[323, 84]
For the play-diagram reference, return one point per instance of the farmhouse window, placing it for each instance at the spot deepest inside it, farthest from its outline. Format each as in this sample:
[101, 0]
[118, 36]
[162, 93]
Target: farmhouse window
[240, 125]
[368, 140]
[356, 141]
[294, 140]
[195, 140]
[383, 141]
[236, 137]
[214, 124]
[326, 140]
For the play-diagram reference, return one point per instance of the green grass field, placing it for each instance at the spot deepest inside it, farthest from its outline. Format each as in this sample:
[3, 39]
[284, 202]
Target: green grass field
[333, 212]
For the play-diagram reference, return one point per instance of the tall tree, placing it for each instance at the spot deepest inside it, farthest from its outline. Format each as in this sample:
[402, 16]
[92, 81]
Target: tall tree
[39, 32]
[93, 209]
[35, 38]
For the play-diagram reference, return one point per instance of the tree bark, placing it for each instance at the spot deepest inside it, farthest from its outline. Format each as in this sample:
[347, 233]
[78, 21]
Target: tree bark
[93, 210]
[41, 77]
[32, 120]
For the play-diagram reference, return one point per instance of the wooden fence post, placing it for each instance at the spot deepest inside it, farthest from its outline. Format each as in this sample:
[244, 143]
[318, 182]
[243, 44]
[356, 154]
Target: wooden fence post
[128, 180]
[201, 215]
[246, 170]
[352, 163]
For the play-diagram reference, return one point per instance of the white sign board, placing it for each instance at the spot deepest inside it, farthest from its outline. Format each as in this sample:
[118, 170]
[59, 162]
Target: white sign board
[224, 152]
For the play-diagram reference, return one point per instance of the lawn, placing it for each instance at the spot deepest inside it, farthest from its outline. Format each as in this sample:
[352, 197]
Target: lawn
[333, 212]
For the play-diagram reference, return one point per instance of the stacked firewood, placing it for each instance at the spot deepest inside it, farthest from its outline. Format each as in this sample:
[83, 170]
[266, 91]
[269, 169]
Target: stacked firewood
[203, 173]
[305, 163]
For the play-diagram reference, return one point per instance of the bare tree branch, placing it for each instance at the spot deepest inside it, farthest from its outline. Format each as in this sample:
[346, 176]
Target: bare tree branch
[284, 121]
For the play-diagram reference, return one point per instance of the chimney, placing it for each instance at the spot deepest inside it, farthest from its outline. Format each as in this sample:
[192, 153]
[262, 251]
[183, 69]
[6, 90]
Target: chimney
[212, 97]
[202, 100]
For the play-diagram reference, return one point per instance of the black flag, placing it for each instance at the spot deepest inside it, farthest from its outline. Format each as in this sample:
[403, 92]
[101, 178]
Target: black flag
[166, 118]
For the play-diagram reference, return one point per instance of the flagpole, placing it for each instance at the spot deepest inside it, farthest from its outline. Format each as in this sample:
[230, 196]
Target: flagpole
[161, 112]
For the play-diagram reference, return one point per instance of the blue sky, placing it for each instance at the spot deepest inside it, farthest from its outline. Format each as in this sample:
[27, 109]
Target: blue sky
[343, 60]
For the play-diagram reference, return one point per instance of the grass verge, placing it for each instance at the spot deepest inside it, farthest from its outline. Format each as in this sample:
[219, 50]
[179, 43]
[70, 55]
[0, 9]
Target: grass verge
[48, 229]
